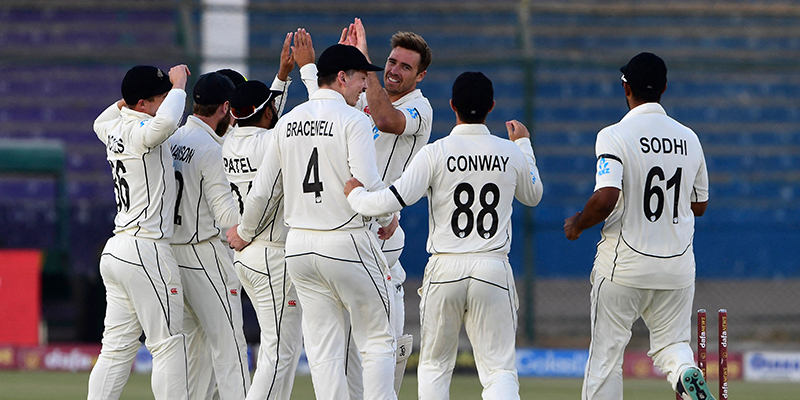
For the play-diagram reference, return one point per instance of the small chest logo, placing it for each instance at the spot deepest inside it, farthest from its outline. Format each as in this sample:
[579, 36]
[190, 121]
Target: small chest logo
[173, 291]
[234, 292]
[366, 110]
[292, 303]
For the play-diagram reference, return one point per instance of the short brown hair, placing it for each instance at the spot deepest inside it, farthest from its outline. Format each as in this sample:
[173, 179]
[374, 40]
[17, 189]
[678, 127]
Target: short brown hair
[415, 43]
[205, 110]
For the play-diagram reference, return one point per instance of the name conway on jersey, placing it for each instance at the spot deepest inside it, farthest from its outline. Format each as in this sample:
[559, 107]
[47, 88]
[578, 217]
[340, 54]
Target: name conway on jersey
[146, 203]
[470, 195]
[652, 223]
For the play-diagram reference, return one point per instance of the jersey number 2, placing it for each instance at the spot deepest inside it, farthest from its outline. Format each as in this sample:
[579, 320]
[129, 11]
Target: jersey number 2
[313, 169]
[651, 190]
[464, 207]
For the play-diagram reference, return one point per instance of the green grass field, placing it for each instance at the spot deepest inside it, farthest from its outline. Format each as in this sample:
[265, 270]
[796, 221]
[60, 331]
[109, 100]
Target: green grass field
[68, 386]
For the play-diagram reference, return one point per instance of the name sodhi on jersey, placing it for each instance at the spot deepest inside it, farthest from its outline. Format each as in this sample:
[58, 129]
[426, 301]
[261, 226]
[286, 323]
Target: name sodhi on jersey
[664, 145]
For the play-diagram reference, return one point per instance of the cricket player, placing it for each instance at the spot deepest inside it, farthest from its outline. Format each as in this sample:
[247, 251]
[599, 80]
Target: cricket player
[401, 119]
[204, 210]
[143, 285]
[334, 261]
[471, 179]
[651, 183]
[260, 266]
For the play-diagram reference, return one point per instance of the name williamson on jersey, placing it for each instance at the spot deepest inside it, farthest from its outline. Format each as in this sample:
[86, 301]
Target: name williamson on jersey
[182, 153]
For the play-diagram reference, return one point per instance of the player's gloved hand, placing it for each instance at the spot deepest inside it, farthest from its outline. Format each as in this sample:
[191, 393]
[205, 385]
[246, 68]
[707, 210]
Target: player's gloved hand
[178, 76]
[516, 130]
[235, 242]
[386, 232]
[303, 49]
[287, 58]
[350, 185]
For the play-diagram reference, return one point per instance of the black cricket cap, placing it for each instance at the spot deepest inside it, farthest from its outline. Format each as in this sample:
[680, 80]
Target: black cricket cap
[234, 76]
[473, 94]
[250, 97]
[212, 88]
[144, 82]
[340, 57]
[645, 73]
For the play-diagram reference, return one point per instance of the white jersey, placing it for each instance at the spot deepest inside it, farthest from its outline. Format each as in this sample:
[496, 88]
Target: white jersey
[394, 152]
[205, 208]
[659, 166]
[141, 164]
[320, 144]
[471, 178]
[242, 154]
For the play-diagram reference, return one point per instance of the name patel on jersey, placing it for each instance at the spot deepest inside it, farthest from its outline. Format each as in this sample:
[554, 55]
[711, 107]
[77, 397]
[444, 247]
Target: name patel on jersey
[182, 153]
[481, 162]
[309, 128]
[664, 145]
[238, 165]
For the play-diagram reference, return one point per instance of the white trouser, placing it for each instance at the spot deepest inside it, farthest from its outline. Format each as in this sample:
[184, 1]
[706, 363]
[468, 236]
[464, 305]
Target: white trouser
[335, 272]
[476, 290]
[667, 314]
[212, 292]
[143, 292]
[262, 271]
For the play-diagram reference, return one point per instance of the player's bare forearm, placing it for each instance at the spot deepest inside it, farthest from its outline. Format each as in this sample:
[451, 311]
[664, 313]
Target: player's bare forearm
[597, 209]
[699, 208]
[386, 118]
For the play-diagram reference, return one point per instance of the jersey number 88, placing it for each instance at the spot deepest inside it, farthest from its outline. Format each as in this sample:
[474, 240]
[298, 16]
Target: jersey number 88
[464, 207]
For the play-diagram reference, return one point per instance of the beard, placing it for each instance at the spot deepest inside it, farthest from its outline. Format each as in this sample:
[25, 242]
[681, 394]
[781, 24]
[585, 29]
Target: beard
[274, 120]
[223, 125]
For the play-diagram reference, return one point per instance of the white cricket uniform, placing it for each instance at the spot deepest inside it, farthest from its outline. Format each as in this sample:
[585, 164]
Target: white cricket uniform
[143, 286]
[261, 266]
[393, 154]
[206, 210]
[332, 258]
[645, 261]
[470, 178]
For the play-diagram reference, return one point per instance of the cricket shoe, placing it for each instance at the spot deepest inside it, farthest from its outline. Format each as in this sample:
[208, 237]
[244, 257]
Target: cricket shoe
[692, 386]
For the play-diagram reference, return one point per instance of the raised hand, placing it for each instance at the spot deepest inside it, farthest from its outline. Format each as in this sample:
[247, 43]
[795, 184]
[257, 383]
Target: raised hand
[178, 76]
[303, 49]
[287, 58]
[516, 130]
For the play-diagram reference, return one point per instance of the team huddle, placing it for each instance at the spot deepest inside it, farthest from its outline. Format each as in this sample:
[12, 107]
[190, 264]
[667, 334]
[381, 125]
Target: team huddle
[309, 201]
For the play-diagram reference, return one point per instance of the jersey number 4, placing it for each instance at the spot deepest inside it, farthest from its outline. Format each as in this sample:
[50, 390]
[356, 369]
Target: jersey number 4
[465, 207]
[651, 190]
[312, 171]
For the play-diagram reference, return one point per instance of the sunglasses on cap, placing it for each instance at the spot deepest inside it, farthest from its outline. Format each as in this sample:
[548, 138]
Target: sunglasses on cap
[237, 113]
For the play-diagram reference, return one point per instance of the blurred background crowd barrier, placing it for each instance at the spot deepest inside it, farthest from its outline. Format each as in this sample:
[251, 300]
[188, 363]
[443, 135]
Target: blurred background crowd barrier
[733, 78]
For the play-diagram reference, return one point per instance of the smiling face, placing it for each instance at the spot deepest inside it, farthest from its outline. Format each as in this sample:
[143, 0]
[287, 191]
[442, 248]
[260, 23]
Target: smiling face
[353, 85]
[401, 75]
